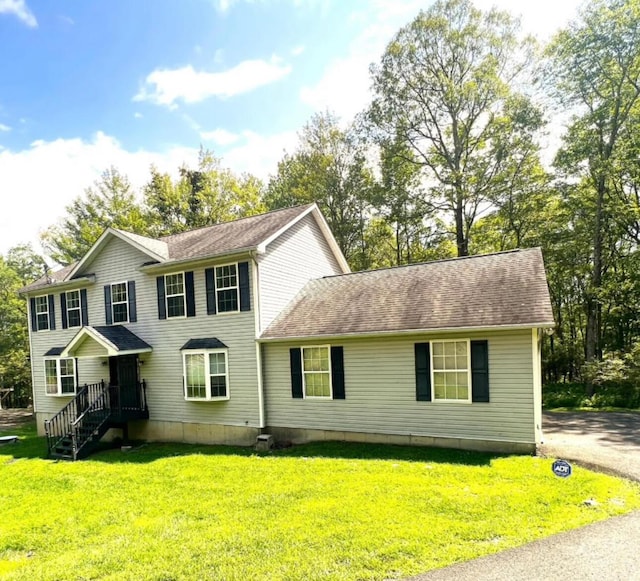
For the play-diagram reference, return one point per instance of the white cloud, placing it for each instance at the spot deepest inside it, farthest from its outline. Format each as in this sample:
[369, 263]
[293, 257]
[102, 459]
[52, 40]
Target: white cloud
[166, 86]
[4, 127]
[220, 136]
[297, 50]
[137, 115]
[41, 180]
[259, 154]
[20, 10]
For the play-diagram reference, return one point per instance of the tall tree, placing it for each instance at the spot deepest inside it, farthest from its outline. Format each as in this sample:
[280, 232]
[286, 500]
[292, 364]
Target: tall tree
[207, 195]
[109, 202]
[446, 87]
[329, 167]
[595, 67]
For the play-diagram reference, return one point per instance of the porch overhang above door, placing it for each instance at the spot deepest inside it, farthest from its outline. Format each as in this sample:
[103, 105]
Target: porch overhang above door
[106, 341]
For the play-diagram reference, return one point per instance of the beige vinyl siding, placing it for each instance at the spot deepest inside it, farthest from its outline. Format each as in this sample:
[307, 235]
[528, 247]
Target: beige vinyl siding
[380, 391]
[162, 368]
[90, 348]
[293, 259]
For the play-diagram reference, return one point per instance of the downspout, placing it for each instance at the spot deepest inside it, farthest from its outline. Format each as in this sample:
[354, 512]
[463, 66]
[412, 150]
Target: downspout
[258, 331]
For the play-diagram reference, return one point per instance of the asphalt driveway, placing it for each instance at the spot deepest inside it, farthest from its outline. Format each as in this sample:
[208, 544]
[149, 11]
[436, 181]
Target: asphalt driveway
[605, 441]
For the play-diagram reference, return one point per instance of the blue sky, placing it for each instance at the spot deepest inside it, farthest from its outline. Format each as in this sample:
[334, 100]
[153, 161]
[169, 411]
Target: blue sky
[85, 85]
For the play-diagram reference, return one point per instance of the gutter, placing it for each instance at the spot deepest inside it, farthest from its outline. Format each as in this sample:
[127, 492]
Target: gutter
[74, 282]
[172, 265]
[407, 332]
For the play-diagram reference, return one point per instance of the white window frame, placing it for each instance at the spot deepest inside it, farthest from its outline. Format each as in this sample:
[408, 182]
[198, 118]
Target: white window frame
[125, 302]
[59, 377]
[304, 373]
[45, 312]
[69, 309]
[183, 294]
[207, 373]
[434, 371]
[227, 288]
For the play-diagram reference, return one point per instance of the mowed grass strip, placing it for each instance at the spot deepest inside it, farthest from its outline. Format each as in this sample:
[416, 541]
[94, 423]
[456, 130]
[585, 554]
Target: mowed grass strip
[321, 511]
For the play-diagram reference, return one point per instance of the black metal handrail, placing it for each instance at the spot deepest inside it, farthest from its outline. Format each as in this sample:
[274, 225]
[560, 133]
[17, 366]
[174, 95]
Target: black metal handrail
[130, 401]
[90, 421]
[59, 426]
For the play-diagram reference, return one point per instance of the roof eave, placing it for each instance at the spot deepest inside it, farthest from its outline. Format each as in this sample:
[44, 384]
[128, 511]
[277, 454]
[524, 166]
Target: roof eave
[173, 264]
[80, 281]
[406, 332]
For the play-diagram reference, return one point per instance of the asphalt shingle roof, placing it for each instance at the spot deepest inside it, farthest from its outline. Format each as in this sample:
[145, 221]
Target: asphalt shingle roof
[122, 338]
[493, 290]
[209, 241]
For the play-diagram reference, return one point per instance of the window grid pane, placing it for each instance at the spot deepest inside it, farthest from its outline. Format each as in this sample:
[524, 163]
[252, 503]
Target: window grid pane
[227, 288]
[174, 285]
[120, 313]
[73, 300]
[51, 376]
[42, 313]
[450, 370]
[316, 367]
[196, 378]
[175, 306]
[227, 300]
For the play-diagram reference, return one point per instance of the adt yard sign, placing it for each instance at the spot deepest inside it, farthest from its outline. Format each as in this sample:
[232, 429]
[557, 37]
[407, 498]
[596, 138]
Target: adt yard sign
[561, 468]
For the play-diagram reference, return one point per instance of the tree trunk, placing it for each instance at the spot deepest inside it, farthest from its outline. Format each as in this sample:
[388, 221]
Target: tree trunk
[461, 240]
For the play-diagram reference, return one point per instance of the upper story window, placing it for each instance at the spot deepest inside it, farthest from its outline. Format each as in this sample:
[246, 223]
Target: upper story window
[174, 285]
[176, 295]
[60, 376]
[227, 288]
[119, 302]
[41, 307]
[74, 310]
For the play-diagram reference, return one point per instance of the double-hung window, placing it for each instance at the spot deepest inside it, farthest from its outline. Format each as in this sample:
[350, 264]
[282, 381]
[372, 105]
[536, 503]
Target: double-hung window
[451, 370]
[119, 302]
[60, 376]
[74, 313]
[206, 375]
[42, 313]
[175, 295]
[316, 371]
[227, 290]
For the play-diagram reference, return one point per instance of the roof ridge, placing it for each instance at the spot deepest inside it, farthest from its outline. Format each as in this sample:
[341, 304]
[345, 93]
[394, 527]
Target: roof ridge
[163, 238]
[429, 262]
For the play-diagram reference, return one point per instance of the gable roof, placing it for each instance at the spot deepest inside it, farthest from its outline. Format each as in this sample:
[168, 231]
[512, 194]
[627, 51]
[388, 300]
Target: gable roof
[507, 289]
[243, 235]
[115, 339]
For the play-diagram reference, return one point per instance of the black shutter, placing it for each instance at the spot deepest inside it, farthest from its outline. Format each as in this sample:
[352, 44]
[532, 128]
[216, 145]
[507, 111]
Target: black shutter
[52, 313]
[190, 294]
[84, 309]
[162, 306]
[337, 372]
[423, 372]
[295, 356]
[480, 371]
[210, 284]
[131, 295]
[243, 278]
[108, 315]
[63, 309]
[32, 311]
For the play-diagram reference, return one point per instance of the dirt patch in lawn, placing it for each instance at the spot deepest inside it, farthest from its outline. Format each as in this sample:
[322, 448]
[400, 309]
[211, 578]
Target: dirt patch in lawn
[14, 418]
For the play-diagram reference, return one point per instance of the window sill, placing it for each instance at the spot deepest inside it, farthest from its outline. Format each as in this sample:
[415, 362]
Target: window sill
[206, 399]
[455, 401]
[318, 397]
[60, 394]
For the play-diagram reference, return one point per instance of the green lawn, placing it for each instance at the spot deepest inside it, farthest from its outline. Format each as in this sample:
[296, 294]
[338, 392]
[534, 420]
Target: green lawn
[337, 511]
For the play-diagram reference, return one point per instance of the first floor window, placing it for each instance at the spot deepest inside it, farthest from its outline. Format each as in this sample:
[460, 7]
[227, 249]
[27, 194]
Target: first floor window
[119, 302]
[60, 376]
[174, 285]
[74, 317]
[206, 375]
[42, 313]
[450, 368]
[316, 371]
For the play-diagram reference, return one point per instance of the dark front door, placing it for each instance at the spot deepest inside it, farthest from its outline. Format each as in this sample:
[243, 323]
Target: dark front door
[123, 373]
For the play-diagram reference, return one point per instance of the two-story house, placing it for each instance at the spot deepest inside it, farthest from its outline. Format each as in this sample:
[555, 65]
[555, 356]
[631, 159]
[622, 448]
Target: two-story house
[219, 334]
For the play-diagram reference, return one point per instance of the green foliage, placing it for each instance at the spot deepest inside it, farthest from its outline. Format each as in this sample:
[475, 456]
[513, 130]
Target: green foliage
[445, 90]
[204, 196]
[323, 511]
[109, 202]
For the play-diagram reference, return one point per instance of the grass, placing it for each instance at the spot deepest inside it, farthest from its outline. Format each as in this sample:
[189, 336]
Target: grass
[570, 396]
[326, 510]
